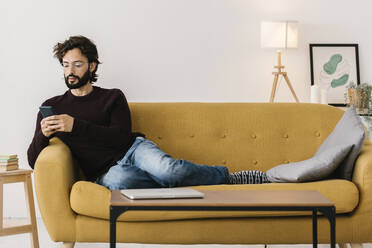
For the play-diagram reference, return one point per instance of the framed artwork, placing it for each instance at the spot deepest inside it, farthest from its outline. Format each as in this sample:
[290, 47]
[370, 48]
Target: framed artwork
[333, 67]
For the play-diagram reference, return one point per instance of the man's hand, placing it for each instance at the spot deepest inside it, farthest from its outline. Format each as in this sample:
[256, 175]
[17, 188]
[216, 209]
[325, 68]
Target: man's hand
[56, 123]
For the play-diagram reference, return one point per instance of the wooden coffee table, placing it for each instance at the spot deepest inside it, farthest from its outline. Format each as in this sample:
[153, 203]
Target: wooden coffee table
[247, 200]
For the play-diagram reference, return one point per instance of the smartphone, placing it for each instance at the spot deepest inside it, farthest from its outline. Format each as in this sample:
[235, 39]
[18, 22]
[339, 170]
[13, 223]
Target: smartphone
[46, 111]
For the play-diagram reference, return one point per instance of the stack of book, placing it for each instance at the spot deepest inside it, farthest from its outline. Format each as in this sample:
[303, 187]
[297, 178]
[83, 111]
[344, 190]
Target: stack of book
[8, 162]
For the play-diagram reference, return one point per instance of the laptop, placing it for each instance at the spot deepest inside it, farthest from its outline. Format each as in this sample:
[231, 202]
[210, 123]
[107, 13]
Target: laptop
[162, 193]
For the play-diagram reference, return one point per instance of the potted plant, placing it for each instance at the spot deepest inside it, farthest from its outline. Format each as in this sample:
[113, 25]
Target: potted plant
[360, 97]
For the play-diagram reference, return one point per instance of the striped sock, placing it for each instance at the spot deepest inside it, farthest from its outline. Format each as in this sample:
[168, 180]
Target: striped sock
[248, 177]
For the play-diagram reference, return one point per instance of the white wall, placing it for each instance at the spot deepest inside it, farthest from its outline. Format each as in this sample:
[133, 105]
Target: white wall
[161, 50]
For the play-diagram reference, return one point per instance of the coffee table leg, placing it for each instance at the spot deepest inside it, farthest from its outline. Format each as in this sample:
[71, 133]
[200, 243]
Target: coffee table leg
[330, 213]
[112, 227]
[333, 226]
[115, 212]
[315, 228]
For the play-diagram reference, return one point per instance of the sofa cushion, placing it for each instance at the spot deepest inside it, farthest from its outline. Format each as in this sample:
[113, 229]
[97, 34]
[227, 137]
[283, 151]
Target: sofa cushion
[93, 200]
[318, 167]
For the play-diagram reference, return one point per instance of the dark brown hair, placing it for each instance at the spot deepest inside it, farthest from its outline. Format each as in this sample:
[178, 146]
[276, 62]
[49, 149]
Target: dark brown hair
[86, 46]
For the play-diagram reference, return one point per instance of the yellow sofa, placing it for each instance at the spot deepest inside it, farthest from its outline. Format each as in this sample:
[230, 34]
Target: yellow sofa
[241, 136]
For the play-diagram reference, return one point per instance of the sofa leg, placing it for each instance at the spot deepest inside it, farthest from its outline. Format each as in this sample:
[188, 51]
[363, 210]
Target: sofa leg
[68, 245]
[342, 245]
[356, 245]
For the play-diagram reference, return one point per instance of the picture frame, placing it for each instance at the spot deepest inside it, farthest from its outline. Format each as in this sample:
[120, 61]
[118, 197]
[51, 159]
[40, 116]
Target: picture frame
[334, 67]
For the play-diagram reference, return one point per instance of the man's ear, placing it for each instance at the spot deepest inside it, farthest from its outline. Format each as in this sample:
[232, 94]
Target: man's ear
[92, 66]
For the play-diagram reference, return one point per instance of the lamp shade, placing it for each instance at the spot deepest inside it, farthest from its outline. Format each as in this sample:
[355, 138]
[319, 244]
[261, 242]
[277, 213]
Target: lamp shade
[279, 34]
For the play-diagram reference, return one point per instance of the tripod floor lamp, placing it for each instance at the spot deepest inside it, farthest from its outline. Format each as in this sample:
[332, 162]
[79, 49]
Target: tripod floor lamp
[279, 35]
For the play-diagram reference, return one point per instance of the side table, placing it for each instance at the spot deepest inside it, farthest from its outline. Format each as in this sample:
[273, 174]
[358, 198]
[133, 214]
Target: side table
[24, 176]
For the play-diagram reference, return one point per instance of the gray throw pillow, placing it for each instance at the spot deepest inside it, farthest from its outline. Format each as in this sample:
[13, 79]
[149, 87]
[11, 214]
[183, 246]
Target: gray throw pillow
[315, 168]
[349, 130]
[335, 156]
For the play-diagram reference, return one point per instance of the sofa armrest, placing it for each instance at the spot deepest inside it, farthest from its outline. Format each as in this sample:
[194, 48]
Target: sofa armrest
[54, 175]
[362, 177]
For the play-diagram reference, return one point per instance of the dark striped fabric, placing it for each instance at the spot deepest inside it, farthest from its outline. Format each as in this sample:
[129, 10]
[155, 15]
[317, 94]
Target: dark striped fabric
[248, 177]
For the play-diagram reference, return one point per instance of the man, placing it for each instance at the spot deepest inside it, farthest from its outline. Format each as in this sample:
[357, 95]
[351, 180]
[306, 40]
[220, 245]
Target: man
[95, 124]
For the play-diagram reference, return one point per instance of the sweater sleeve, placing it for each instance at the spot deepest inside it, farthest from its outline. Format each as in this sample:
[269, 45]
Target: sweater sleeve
[39, 142]
[119, 130]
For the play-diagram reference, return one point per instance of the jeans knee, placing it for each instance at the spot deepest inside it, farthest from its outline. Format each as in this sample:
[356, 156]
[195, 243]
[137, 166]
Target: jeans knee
[175, 173]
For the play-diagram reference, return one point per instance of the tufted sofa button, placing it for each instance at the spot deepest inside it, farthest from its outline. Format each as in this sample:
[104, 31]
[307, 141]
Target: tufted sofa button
[253, 136]
[317, 134]
[159, 137]
[223, 161]
[285, 161]
[192, 136]
[254, 161]
[223, 136]
[285, 136]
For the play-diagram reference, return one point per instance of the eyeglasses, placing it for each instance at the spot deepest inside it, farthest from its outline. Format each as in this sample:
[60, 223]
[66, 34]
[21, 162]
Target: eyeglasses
[76, 64]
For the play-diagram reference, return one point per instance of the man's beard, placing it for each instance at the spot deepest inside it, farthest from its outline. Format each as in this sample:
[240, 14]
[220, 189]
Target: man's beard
[81, 81]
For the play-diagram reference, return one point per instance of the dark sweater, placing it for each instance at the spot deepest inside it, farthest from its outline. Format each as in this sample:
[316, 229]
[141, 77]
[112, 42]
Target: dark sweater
[101, 133]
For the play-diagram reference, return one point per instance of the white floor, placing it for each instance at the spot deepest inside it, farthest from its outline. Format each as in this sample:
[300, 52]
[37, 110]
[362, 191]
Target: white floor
[23, 241]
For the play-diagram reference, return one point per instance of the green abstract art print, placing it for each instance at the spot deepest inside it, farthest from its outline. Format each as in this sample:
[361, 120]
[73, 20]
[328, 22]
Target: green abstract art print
[333, 67]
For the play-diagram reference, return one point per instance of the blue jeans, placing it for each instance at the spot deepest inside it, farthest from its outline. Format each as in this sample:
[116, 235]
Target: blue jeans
[146, 166]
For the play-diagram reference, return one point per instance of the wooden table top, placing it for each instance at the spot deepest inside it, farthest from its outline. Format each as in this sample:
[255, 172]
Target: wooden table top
[236, 198]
